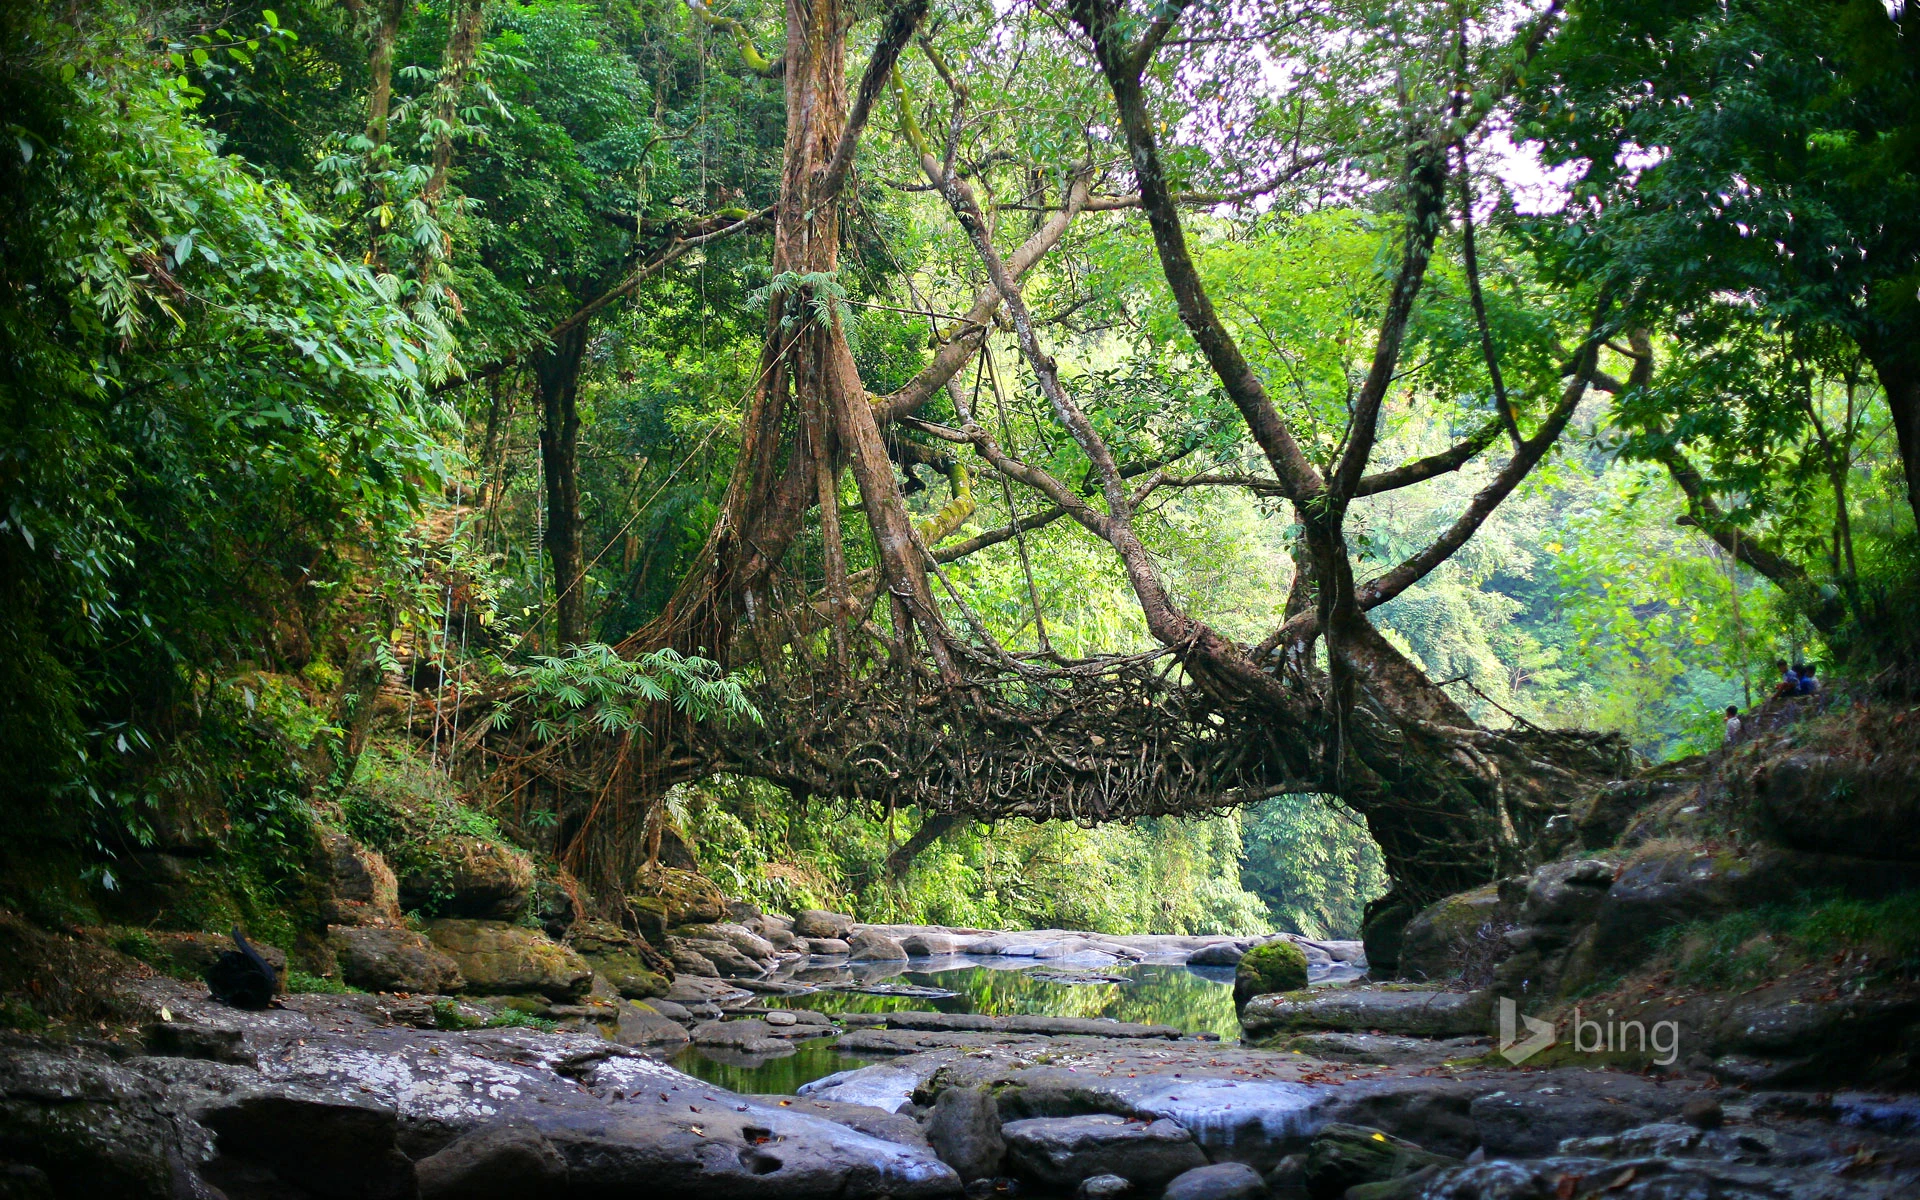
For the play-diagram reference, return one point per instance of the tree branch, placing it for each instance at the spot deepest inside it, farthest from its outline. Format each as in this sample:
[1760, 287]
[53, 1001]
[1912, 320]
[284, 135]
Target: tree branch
[902, 19]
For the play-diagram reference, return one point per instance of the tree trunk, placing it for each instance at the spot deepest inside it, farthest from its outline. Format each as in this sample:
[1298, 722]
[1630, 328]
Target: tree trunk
[558, 378]
[1897, 363]
[386, 30]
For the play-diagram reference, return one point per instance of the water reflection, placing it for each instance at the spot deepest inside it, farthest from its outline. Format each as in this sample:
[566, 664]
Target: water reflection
[1192, 999]
[756, 1073]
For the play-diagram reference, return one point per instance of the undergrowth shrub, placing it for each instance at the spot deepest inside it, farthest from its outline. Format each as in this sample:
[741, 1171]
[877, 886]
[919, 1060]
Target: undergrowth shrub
[1745, 948]
[404, 808]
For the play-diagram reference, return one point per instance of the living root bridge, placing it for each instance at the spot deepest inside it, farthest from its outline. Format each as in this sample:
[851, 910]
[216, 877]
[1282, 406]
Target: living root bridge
[1119, 738]
[1110, 740]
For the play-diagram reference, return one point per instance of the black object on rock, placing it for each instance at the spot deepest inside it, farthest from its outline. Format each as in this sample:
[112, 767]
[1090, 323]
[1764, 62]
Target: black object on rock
[242, 978]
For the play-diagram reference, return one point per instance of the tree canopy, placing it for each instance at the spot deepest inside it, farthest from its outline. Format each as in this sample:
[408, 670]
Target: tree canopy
[1089, 411]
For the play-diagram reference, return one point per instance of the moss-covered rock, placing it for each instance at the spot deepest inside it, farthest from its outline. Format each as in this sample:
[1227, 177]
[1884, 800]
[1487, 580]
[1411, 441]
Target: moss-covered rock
[1276, 966]
[497, 958]
[362, 889]
[1441, 943]
[664, 897]
[1346, 1156]
[467, 876]
[392, 960]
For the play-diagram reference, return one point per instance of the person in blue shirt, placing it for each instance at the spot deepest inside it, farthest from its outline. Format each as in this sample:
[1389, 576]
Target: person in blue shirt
[1807, 684]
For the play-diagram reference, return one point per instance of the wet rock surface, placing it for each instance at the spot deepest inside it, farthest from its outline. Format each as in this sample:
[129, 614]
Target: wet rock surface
[1367, 1092]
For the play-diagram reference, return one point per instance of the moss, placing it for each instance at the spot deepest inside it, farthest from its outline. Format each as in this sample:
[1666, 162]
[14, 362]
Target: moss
[513, 1018]
[415, 818]
[1277, 966]
[1746, 948]
[302, 981]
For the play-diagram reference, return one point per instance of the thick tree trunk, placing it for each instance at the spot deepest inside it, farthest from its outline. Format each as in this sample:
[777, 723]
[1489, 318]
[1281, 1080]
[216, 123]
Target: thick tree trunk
[1897, 363]
[809, 416]
[558, 378]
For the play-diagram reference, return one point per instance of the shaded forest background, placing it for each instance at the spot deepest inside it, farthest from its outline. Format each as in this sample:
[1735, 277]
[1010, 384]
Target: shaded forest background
[318, 359]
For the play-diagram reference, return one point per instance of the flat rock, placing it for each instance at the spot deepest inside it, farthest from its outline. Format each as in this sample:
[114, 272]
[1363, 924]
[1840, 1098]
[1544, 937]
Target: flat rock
[828, 947]
[495, 1162]
[897, 1128]
[1061, 1151]
[1544, 1110]
[887, 1088]
[690, 990]
[1413, 1012]
[1386, 1049]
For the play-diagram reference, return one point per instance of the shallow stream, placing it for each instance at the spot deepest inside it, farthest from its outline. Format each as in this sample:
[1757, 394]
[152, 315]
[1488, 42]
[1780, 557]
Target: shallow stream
[1197, 1000]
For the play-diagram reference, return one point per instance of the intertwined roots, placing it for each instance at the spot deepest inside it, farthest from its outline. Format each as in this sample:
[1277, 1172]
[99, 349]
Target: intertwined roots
[1107, 740]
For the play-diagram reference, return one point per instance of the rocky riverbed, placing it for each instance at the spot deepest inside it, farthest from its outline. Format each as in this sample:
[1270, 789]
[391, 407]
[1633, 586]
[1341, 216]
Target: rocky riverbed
[393, 1095]
[367, 1096]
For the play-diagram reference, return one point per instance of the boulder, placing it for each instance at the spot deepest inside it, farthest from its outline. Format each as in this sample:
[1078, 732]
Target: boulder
[555, 905]
[828, 947]
[1602, 820]
[1102, 1187]
[688, 961]
[1221, 1181]
[469, 877]
[643, 1025]
[664, 897]
[1059, 1152]
[818, 923]
[629, 965]
[728, 962]
[1276, 966]
[1834, 805]
[631, 976]
[929, 943]
[868, 946]
[1219, 954]
[497, 958]
[495, 1162]
[1567, 893]
[964, 1130]
[361, 887]
[742, 939]
[1665, 890]
[1452, 937]
[1344, 1156]
[392, 960]
[1413, 1012]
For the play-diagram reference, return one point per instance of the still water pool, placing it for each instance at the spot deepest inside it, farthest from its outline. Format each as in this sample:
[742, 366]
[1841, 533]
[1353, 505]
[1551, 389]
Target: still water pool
[1194, 999]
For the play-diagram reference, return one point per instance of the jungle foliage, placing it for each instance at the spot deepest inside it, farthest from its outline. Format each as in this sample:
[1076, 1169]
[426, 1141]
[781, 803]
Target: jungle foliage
[404, 353]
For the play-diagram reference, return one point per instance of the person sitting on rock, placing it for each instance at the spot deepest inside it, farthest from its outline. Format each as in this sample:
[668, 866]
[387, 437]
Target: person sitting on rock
[1789, 679]
[1807, 684]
